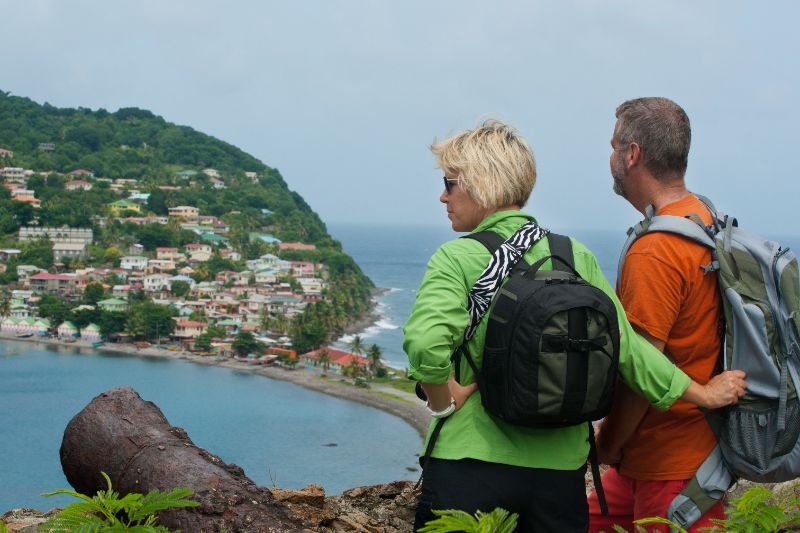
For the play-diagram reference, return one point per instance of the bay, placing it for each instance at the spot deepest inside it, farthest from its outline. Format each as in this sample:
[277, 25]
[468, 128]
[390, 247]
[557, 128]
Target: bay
[280, 433]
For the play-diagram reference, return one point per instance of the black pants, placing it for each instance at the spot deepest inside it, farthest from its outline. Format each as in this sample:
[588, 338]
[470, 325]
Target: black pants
[546, 500]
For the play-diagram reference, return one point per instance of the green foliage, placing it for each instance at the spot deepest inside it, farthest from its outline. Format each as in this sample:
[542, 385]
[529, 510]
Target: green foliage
[203, 342]
[246, 343]
[498, 521]
[180, 288]
[759, 510]
[107, 511]
[93, 293]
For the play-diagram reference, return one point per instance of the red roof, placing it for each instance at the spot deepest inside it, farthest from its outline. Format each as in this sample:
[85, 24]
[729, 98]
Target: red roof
[62, 277]
[339, 357]
[165, 249]
[82, 172]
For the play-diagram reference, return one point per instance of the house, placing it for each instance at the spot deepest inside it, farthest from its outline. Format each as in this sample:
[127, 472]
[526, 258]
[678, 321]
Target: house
[41, 326]
[6, 154]
[215, 239]
[13, 173]
[19, 190]
[211, 173]
[269, 261]
[24, 273]
[8, 253]
[198, 252]
[35, 202]
[139, 197]
[69, 250]
[264, 237]
[183, 278]
[266, 276]
[186, 329]
[233, 255]
[67, 329]
[113, 304]
[296, 246]
[159, 265]
[252, 176]
[170, 254]
[184, 211]
[74, 185]
[82, 172]
[91, 333]
[62, 284]
[338, 360]
[56, 234]
[121, 291]
[133, 262]
[217, 183]
[120, 206]
[156, 282]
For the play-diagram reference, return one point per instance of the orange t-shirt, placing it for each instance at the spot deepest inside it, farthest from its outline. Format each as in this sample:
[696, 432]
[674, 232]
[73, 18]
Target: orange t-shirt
[666, 293]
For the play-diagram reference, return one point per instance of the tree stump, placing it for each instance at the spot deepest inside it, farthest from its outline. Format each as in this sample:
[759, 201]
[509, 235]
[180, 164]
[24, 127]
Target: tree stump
[130, 440]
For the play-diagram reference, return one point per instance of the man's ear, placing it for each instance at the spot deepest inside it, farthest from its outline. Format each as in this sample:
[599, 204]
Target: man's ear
[634, 155]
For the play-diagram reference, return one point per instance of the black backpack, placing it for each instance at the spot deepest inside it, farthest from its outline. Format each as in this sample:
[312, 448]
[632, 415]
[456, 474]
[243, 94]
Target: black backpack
[552, 343]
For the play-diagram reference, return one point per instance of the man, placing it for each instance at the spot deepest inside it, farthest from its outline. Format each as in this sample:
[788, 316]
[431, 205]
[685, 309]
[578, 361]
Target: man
[673, 304]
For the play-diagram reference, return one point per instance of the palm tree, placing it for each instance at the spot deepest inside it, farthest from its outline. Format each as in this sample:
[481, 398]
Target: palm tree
[324, 359]
[5, 304]
[357, 345]
[374, 355]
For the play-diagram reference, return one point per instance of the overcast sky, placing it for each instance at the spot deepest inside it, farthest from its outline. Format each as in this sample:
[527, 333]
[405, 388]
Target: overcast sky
[345, 96]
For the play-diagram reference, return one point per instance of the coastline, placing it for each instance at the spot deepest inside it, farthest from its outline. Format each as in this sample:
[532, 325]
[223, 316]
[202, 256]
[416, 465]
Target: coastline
[396, 402]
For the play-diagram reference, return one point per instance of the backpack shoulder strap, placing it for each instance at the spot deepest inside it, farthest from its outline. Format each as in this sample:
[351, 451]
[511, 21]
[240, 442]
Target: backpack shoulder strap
[491, 240]
[668, 224]
[561, 248]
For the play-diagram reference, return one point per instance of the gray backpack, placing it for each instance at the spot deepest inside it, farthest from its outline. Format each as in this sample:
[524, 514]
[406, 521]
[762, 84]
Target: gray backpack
[759, 438]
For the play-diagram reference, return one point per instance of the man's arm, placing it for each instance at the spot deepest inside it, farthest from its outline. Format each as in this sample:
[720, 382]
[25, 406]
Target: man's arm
[626, 414]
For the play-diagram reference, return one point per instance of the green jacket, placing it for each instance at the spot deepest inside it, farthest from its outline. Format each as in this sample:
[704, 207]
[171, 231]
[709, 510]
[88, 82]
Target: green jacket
[436, 328]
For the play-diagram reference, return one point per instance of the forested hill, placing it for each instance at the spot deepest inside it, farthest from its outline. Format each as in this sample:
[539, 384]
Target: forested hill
[120, 173]
[135, 143]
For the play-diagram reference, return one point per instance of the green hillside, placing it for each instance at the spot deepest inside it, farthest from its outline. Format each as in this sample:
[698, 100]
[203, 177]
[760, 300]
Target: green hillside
[167, 161]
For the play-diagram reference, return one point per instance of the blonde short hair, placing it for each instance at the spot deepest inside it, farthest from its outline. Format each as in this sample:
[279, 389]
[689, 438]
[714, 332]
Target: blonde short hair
[494, 162]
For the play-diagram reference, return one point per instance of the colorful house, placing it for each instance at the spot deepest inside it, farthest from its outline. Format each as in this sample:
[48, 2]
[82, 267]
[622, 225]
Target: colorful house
[91, 333]
[113, 304]
[120, 206]
[67, 330]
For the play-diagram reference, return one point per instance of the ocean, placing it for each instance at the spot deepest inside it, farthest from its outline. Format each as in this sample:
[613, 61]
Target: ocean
[394, 257]
[280, 433]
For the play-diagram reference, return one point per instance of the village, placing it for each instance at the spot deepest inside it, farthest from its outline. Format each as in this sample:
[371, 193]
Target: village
[244, 312]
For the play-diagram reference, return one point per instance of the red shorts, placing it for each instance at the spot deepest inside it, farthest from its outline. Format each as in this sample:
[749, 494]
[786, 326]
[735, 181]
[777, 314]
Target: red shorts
[631, 499]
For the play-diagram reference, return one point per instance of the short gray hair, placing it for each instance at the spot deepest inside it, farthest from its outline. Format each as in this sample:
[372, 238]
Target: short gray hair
[661, 129]
[494, 162]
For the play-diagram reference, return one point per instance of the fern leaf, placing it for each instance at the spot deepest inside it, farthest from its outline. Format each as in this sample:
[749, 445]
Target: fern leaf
[155, 501]
[659, 520]
[449, 521]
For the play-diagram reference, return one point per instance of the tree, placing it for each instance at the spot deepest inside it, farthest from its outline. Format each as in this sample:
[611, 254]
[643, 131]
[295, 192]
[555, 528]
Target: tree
[357, 345]
[5, 304]
[93, 293]
[374, 354]
[54, 309]
[203, 342]
[324, 359]
[246, 343]
[180, 288]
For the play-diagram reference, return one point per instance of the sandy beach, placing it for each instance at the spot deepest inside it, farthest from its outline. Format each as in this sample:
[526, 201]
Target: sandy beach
[384, 397]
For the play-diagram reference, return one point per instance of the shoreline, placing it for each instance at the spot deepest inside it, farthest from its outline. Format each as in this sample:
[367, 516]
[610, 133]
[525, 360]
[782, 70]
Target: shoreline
[398, 403]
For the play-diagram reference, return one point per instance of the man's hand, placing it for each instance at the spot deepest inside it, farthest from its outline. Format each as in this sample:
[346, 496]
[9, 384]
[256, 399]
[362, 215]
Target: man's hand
[723, 389]
[607, 453]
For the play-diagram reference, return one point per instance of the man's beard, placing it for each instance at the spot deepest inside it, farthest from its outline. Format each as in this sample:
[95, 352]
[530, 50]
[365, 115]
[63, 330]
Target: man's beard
[618, 172]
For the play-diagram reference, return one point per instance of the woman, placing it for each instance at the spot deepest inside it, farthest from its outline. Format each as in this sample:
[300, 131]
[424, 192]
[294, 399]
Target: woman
[479, 462]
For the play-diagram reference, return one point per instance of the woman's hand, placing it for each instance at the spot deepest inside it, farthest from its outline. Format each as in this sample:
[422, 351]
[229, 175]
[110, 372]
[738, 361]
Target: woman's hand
[723, 389]
[459, 392]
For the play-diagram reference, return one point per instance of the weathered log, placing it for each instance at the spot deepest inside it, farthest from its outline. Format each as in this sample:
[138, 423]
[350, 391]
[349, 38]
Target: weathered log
[130, 440]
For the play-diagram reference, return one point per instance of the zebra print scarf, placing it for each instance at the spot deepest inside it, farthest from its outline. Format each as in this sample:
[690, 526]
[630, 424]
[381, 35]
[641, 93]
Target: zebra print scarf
[503, 260]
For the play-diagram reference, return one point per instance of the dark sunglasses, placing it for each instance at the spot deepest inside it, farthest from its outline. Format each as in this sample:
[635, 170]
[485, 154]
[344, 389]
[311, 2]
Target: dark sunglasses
[449, 183]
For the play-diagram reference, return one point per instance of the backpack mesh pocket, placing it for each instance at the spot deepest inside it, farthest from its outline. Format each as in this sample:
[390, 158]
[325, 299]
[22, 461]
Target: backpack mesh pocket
[751, 432]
